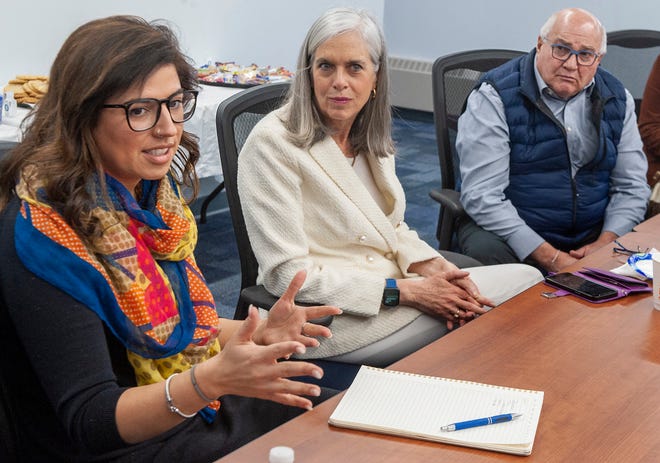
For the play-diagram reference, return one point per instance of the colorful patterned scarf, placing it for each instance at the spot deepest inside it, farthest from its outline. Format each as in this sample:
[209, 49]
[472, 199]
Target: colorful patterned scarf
[140, 277]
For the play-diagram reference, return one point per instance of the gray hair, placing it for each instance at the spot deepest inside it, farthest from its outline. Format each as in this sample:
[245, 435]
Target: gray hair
[550, 23]
[372, 129]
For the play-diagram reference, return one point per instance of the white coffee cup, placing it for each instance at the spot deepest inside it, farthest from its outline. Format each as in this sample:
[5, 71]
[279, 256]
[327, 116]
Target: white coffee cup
[656, 281]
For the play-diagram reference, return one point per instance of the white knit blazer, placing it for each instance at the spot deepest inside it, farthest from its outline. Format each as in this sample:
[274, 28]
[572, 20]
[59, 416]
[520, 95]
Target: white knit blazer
[307, 209]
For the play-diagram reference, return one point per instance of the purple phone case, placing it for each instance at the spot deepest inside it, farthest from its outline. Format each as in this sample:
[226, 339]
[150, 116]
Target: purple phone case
[623, 285]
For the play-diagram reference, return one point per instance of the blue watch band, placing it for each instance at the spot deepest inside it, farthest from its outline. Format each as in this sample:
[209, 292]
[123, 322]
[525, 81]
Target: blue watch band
[390, 293]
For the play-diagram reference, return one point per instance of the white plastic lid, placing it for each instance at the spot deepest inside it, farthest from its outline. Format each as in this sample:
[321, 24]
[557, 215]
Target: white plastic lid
[281, 454]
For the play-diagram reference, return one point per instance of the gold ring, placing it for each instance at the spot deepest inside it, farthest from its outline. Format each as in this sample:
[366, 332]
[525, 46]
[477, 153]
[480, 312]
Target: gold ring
[456, 314]
[302, 329]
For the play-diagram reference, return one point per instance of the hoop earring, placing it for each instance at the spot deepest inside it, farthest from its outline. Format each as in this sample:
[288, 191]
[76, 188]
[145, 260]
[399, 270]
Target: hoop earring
[373, 93]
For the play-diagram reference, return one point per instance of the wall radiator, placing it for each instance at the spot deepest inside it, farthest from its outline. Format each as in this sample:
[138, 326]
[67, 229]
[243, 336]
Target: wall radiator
[410, 81]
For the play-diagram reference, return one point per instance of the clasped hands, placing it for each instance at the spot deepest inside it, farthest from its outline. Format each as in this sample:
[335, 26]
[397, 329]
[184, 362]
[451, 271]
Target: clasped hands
[443, 291]
[553, 260]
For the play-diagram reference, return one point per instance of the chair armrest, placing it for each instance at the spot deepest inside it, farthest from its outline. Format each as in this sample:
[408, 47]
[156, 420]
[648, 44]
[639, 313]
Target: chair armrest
[460, 260]
[450, 199]
[259, 297]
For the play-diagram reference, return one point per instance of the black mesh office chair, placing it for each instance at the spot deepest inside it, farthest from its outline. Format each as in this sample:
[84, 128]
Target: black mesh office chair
[235, 118]
[630, 56]
[453, 78]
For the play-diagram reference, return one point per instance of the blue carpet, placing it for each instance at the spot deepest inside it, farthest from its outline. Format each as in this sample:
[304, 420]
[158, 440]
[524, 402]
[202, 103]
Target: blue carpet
[417, 168]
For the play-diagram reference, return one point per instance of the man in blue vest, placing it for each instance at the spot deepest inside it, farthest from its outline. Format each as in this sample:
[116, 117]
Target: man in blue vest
[551, 160]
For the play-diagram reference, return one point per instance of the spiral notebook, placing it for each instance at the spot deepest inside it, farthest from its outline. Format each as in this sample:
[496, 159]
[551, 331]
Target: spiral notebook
[416, 406]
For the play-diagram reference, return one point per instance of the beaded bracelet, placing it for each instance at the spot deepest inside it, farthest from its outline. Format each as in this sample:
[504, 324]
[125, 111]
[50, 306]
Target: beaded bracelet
[196, 386]
[168, 397]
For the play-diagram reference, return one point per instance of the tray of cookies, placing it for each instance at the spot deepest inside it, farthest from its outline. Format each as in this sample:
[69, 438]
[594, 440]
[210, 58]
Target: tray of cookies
[27, 88]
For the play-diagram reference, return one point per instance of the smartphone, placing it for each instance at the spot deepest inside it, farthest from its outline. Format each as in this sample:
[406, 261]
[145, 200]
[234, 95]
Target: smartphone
[581, 286]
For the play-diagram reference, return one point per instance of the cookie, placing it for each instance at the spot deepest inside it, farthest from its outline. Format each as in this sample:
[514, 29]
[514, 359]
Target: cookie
[29, 77]
[27, 88]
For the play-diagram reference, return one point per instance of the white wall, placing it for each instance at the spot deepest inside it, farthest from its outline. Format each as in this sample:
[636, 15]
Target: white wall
[427, 29]
[270, 32]
[259, 31]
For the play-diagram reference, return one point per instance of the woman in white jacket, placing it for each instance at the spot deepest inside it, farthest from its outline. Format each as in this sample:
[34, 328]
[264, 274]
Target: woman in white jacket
[320, 193]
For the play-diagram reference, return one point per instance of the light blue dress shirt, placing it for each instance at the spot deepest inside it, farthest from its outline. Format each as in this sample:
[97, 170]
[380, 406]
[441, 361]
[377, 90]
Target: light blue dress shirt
[483, 148]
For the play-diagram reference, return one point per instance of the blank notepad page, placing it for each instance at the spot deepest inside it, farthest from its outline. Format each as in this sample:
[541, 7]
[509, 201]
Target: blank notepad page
[417, 406]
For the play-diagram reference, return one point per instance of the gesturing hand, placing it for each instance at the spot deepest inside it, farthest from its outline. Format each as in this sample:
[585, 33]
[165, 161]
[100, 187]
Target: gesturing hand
[247, 369]
[288, 321]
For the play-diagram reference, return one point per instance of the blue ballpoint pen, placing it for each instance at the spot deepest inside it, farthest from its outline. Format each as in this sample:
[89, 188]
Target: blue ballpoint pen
[481, 422]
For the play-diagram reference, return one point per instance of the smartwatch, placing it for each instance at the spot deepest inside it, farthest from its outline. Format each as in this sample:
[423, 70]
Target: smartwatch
[390, 293]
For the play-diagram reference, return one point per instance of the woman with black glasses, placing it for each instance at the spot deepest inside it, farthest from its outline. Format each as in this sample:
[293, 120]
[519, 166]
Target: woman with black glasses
[113, 348]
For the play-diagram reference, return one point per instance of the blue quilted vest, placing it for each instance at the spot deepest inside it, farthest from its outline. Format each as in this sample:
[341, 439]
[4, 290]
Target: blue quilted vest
[563, 210]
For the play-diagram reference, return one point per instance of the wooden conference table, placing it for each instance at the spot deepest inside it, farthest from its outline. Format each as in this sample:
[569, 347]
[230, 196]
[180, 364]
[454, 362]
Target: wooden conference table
[598, 364]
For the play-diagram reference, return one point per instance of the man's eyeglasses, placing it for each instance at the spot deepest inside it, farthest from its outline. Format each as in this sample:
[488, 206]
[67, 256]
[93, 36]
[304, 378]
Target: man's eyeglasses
[142, 114]
[621, 249]
[564, 53]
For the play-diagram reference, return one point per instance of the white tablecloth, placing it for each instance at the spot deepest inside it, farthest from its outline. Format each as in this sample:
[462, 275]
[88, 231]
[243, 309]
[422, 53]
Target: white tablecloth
[9, 127]
[202, 124]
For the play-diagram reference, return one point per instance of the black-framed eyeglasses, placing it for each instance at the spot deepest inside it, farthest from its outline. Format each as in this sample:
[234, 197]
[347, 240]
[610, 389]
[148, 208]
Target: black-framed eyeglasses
[564, 53]
[621, 249]
[143, 113]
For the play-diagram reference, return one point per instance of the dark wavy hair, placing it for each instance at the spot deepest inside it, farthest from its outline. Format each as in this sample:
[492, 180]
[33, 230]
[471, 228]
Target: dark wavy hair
[99, 60]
